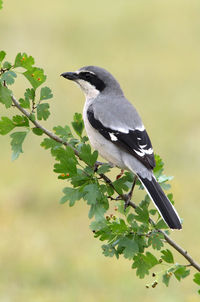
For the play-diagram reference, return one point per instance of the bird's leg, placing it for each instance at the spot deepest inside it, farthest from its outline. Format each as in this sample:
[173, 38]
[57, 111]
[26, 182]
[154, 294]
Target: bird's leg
[120, 174]
[129, 195]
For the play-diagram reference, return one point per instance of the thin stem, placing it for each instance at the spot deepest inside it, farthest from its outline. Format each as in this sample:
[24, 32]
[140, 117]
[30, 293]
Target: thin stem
[124, 197]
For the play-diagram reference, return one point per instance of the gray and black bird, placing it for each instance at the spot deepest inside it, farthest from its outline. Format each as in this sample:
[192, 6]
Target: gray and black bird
[116, 131]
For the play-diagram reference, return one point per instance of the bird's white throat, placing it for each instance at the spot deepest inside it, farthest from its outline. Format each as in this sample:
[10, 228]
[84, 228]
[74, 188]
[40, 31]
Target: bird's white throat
[89, 90]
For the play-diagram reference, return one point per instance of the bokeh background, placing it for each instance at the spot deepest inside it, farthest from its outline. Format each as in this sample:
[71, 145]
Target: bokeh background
[47, 252]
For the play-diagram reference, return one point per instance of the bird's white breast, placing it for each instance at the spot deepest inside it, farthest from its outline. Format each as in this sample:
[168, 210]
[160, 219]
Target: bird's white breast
[105, 148]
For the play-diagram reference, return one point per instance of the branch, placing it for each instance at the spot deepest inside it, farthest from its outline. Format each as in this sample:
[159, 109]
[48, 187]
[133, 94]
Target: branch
[47, 132]
[124, 197]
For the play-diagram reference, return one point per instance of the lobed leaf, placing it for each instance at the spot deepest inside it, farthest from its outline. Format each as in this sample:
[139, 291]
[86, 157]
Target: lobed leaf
[35, 76]
[6, 125]
[197, 278]
[23, 60]
[87, 156]
[5, 96]
[8, 77]
[17, 139]
[71, 195]
[78, 124]
[167, 256]
[7, 65]
[143, 263]
[156, 240]
[181, 272]
[130, 247]
[43, 111]
[45, 93]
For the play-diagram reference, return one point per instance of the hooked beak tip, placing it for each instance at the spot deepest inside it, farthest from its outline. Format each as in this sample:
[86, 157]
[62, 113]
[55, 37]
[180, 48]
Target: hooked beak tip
[69, 75]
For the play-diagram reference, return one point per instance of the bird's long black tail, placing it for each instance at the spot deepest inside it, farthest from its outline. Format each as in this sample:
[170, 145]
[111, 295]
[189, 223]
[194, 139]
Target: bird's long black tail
[164, 206]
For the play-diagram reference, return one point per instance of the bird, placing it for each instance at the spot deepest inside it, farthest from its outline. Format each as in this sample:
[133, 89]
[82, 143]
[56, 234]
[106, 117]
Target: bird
[116, 131]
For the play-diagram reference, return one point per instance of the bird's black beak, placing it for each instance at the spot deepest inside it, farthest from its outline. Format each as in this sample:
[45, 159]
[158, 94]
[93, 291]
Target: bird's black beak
[70, 75]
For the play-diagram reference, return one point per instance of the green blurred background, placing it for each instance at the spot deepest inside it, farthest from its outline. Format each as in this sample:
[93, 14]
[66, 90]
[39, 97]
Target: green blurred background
[47, 252]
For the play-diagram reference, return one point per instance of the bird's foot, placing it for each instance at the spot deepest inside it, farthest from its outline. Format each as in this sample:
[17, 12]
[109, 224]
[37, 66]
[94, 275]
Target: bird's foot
[120, 174]
[96, 165]
[127, 202]
[127, 197]
[99, 163]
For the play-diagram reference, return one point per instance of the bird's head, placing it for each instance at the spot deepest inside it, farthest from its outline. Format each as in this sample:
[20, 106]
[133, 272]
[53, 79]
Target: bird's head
[94, 80]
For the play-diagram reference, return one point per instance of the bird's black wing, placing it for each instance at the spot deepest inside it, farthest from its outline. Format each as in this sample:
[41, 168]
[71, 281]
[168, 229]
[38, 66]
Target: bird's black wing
[136, 141]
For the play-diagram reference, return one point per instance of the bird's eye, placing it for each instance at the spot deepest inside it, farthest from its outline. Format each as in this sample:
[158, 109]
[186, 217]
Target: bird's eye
[88, 75]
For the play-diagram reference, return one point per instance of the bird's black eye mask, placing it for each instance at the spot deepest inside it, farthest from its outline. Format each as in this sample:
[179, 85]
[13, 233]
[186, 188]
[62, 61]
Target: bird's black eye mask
[92, 79]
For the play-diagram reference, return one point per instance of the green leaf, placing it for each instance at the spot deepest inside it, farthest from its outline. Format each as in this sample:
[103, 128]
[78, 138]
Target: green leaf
[35, 76]
[49, 143]
[151, 259]
[2, 53]
[86, 155]
[20, 121]
[92, 193]
[63, 132]
[29, 94]
[6, 125]
[71, 195]
[37, 131]
[78, 124]
[181, 272]
[8, 77]
[5, 96]
[161, 224]
[197, 278]
[130, 247]
[166, 278]
[159, 165]
[121, 184]
[98, 210]
[7, 65]
[45, 93]
[67, 161]
[109, 250]
[142, 214]
[17, 139]
[23, 60]
[155, 239]
[143, 263]
[167, 256]
[24, 103]
[43, 111]
[104, 169]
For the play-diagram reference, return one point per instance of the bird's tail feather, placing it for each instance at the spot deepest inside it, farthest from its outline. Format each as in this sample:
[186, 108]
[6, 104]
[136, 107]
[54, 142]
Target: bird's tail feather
[164, 206]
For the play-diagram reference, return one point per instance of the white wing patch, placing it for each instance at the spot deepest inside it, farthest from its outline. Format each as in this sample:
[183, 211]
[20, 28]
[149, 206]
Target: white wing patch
[113, 137]
[140, 128]
[142, 151]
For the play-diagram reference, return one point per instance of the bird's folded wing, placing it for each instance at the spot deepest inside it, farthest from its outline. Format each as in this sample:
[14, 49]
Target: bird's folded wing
[135, 141]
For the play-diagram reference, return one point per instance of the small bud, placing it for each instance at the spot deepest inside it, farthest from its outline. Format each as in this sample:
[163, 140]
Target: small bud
[67, 174]
[39, 79]
[63, 175]
[32, 74]
[154, 284]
